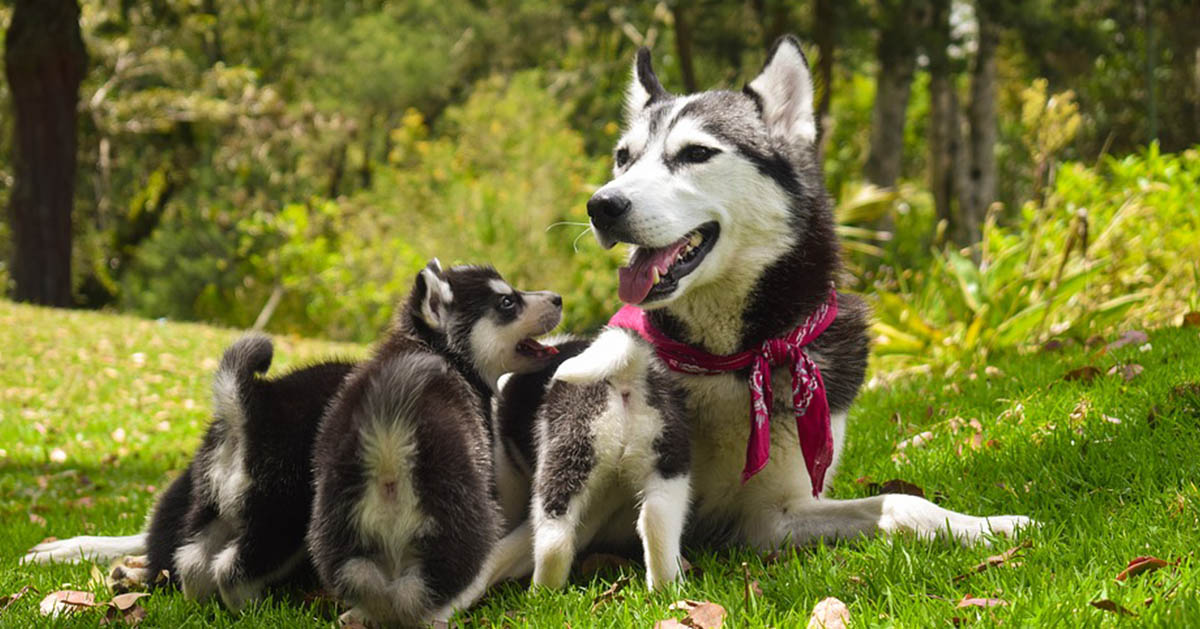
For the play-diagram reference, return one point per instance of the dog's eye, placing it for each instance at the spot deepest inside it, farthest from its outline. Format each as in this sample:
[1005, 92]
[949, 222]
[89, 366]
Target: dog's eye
[506, 303]
[696, 154]
[622, 157]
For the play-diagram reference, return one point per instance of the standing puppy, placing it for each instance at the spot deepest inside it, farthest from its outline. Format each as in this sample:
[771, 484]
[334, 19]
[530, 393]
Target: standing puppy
[612, 433]
[406, 506]
[234, 522]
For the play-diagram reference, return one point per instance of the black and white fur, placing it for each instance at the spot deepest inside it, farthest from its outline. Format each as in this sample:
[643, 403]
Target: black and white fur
[406, 508]
[612, 437]
[736, 176]
[235, 521]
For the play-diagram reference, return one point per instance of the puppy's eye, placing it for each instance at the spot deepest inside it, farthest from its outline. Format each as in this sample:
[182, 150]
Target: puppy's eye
[506, 303]
[622, 157]
[696, 154]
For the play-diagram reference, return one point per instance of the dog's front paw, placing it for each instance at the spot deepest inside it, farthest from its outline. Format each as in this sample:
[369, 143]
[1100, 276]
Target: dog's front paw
[982, 529]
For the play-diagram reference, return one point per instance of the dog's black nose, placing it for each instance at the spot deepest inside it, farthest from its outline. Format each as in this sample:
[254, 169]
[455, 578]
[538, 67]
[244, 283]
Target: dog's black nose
[605, 208]
[556, 299]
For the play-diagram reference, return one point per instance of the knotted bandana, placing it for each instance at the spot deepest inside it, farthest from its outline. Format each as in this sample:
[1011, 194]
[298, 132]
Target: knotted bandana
[808, 389]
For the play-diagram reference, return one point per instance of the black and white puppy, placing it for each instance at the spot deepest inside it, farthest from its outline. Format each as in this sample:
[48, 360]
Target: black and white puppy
[612, 436]
[406, 507]
[235, 520]
[592, 443]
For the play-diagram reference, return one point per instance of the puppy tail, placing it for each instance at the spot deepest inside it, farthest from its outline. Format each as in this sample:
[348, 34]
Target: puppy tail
[616, 354]
[247, 357]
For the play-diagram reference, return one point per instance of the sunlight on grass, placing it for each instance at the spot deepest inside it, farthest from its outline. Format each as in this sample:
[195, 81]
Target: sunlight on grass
[97, 412]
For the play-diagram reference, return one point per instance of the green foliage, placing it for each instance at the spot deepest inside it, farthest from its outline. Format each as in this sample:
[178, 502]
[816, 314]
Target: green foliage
[1113, 244]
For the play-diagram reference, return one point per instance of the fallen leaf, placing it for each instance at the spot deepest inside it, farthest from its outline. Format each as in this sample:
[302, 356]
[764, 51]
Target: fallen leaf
[830, 613]
[997, 560]
[1138, 565]
[602, 562]
[915, 441]
[1127, 371]
[8, 599]
[973, 601]
[687, 569]
[125, 601]
[1192, 319]
[706, 615]
[1094, 340]
[37, 519]
[1111, 606]
[1083, 374]
[895, 486]
[66, 601]
[1053, 345]
[1129, 337]
[611, 594]
[669, 623]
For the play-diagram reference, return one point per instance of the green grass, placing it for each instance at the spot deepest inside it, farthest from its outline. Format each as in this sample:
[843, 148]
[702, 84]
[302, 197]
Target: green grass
[1105, 491]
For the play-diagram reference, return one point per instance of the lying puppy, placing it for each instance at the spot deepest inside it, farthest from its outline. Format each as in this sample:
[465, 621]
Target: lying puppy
[234, 522]
[406, 507]
[612, 435]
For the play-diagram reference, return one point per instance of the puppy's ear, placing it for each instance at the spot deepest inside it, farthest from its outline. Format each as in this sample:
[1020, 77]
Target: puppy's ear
[434, 294]
[644, 87]
[784, 93]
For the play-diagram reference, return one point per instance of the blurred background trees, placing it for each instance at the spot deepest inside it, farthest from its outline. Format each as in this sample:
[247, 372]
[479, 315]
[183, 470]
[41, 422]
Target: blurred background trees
[293, 163]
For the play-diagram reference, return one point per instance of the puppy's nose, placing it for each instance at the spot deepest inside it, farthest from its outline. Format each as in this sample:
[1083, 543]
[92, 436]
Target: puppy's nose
[605, 208]
[556, 299]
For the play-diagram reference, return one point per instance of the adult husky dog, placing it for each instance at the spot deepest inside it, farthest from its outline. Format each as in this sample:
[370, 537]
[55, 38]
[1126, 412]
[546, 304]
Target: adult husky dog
[721, 197]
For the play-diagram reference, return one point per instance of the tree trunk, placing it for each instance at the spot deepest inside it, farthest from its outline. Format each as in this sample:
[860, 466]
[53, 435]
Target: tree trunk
[979, 188]
[945, 135]
[683, 46]
[826, 35]
[897, 56]
[45, 61]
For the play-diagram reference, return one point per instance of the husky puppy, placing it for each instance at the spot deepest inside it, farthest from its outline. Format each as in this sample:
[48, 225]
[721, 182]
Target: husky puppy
[406, 507]
[612, 433]
[235, 520]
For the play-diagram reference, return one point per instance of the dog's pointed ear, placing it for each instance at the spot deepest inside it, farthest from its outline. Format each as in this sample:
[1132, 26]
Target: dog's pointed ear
[434, 294]
[784, 92]
[644, 87]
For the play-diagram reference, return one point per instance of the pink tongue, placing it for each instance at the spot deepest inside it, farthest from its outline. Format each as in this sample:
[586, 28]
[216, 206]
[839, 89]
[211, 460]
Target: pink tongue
[636, 280]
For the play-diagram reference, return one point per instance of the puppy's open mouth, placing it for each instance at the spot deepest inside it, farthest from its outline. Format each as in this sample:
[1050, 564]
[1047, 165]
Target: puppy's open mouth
[655, 273]
[530, 348]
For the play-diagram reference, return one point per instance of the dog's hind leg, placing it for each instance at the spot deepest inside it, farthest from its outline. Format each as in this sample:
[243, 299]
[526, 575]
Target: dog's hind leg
[807, 520]
[87, 547]
[660, 525]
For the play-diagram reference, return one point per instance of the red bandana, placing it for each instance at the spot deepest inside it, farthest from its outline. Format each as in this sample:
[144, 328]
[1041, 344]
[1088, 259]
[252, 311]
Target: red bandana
[808, 389]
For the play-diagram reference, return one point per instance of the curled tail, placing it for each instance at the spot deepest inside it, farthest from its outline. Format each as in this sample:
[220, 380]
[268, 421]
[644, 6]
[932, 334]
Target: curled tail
[616, 354]
[248, 356]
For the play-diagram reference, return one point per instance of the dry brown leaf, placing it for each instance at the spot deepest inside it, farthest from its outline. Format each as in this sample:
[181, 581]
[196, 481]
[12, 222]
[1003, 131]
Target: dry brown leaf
[669, 623]
[127, 600]
[1191, 319]
[997, 560]
[1082, 374]
[1128, 371]
[706, 615]
[687, 569]
[830, 613]
[1138, 565]
[1109, 605]
[974, 601]
[1053, 345]
[66, 601]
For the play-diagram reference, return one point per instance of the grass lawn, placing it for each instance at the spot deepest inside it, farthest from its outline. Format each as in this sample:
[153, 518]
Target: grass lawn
[97, 412]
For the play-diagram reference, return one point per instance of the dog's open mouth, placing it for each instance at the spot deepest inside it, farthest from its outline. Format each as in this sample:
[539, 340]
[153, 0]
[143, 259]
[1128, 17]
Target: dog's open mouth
[530, 348]
[655, 273]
